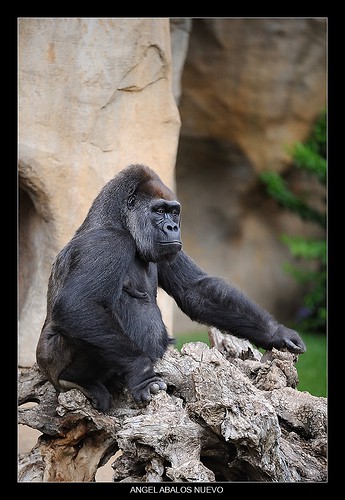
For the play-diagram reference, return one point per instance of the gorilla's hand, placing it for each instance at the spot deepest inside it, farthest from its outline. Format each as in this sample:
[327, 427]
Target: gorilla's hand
[285, 337]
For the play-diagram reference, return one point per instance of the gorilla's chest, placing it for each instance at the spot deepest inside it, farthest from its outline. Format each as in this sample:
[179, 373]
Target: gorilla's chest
[139, 312]
[140, 283]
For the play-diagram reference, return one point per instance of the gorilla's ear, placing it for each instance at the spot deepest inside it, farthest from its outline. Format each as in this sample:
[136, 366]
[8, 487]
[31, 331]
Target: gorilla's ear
[131, 201]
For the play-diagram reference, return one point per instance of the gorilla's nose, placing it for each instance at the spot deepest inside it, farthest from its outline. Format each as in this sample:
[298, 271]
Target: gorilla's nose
[169, 227]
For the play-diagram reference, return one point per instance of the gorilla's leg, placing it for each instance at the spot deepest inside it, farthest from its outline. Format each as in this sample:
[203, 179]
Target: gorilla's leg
[84, 375]
[97, 393]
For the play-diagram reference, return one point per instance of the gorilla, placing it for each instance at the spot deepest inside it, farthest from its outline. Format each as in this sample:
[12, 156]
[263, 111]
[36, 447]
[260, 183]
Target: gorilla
[103, 329]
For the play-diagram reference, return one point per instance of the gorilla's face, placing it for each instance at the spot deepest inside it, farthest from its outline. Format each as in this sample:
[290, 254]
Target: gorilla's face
[154, 223]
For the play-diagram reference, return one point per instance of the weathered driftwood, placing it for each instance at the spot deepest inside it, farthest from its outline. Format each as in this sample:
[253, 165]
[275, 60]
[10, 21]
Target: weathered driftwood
[230, 414]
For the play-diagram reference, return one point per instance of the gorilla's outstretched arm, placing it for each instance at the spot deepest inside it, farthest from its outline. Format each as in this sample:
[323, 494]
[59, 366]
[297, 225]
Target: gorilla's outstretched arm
[212, 301]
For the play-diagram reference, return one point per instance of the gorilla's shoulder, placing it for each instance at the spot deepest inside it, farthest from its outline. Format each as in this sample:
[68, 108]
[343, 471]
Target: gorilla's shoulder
[102, 235]
[101, 241]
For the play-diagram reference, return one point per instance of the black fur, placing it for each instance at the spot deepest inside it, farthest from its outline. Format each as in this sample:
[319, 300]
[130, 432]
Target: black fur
[103, 329]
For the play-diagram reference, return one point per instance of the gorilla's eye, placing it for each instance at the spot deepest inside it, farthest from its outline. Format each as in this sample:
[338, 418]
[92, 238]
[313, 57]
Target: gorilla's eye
[160, 210]
[131, 201]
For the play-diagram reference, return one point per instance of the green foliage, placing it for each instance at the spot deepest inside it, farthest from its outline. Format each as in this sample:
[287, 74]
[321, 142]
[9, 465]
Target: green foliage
[185, 338]
[312, 368]
[311, 158]
[306, 248]
[277, 189]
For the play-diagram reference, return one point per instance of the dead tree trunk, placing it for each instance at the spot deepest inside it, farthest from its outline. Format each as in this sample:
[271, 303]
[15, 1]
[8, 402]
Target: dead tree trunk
[230, 414]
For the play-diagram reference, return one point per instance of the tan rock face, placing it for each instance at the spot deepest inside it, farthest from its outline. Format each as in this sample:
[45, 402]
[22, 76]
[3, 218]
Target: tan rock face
[257, 83]
[250, 88]
[94, 95]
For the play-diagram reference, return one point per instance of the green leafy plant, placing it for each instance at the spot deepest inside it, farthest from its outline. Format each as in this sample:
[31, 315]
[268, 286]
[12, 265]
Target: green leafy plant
[309, 157]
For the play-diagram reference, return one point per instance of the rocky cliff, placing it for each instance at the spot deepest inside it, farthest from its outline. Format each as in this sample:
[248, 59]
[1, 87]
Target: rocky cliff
[250, 89]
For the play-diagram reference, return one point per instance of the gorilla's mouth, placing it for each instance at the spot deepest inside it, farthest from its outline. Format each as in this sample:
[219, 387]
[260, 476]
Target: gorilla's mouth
[168, 243]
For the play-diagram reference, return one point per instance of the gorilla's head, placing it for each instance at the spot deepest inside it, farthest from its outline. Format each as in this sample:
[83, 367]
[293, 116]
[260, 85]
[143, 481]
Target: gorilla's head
[153, 218]
[137, 200]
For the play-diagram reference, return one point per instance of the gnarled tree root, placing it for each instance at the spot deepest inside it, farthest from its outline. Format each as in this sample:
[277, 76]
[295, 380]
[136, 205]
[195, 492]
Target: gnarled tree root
[229, 414]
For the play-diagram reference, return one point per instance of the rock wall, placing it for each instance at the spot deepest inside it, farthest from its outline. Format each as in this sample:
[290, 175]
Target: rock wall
[94, 96]
[256, 83]
[250, 88]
